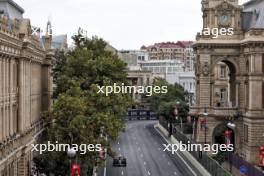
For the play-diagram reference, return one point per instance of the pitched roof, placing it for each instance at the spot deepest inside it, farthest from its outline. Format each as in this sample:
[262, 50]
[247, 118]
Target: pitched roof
[179, 44]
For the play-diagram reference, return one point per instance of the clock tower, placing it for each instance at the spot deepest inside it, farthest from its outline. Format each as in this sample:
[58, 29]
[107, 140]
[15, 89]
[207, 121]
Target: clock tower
[229, 73]
[222, 14]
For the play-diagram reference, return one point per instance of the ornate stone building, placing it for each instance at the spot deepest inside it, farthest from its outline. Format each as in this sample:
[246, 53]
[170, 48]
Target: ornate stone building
[25, 88]
[243, 54]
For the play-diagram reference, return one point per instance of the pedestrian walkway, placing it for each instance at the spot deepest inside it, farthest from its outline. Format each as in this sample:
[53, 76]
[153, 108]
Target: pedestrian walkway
[235, 171]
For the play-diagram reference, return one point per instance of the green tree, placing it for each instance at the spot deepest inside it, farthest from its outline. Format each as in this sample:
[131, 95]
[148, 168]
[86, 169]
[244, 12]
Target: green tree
[163, 103]
[80, 115]
[58, 69]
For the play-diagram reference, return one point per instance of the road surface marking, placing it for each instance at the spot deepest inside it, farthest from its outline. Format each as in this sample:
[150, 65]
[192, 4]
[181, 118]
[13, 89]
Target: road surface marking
[144, 163]
[175, 173]
[192, 171]
[169, 163]
[118, 143]
[119, 149]
[149, 173]
[122, 173]
[104, 171]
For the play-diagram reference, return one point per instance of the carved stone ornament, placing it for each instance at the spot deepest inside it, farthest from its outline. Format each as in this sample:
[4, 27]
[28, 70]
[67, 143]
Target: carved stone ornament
[206, 69]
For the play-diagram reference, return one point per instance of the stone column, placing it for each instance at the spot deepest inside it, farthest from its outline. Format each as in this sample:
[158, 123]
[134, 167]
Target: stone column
[1, 124]
[21, 166]
[255, 84]
[20, 95]
[205, 81]
[4, 95]
[237, 93]
[1, 99]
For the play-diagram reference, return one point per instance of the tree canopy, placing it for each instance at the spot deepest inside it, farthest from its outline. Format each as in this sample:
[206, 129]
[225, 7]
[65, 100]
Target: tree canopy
[79, 114]
[163, 103]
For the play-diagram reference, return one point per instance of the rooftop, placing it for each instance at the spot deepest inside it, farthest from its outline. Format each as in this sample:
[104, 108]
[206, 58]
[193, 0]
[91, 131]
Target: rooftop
[19, 8]
[253, 15]
[179, 44]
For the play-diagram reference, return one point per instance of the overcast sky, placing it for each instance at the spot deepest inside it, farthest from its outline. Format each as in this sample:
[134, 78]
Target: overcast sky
[125, 24]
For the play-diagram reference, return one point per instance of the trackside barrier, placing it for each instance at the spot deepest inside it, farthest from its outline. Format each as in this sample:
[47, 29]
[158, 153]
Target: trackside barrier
[206, 161]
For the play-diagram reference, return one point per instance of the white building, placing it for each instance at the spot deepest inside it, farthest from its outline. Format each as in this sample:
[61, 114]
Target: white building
[178, 71]
[171, 70]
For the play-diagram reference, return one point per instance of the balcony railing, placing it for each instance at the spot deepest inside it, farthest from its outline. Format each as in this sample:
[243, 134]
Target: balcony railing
[224, 111]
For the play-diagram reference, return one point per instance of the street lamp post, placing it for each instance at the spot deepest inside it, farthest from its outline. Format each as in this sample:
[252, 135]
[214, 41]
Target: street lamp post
[178, 105]
[205, 124]
[231, 126]
[174, 114]
[71, 154]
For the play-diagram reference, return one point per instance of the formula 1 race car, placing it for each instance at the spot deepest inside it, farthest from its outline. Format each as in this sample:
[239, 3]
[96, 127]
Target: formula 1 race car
[119, 161]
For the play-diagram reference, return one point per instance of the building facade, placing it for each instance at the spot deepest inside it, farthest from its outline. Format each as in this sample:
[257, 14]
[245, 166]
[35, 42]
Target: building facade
[173, 62]
[242, 83]
[25, 89]
[180, 51]
[164, 68]
[165, 51]
[136, 75]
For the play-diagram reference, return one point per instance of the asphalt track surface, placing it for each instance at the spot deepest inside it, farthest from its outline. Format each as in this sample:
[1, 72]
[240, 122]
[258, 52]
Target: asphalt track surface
[142, 145]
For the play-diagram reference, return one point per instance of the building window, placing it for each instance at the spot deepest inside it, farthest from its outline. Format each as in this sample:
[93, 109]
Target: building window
[262, 94]
[263, 63]
[245, 133]
[222, 95]
[141, 81]
[223, 72]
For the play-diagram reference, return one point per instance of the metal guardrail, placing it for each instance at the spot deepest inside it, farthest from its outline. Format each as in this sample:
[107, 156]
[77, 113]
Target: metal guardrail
[136, 114]
[205, 160]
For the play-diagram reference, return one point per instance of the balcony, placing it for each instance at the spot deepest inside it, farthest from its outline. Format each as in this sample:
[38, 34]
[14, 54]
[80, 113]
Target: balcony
[216, 111]
[224, 111]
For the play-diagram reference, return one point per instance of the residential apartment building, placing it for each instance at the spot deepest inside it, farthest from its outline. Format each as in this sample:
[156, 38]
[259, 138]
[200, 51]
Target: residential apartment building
[174, 62]
[180, 51]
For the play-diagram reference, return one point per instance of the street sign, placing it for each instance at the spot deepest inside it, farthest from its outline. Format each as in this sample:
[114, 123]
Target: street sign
[243, 169]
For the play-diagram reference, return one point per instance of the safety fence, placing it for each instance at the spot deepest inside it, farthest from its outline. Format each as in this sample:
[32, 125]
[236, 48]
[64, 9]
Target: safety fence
[212, 166]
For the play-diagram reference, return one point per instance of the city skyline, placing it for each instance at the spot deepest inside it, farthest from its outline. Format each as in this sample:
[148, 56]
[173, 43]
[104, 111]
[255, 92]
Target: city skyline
[130, 24]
